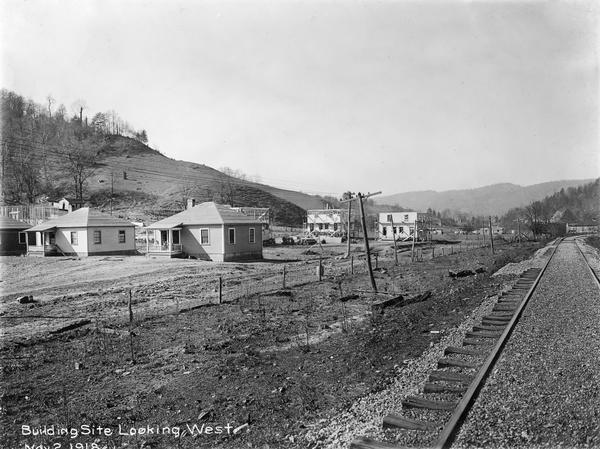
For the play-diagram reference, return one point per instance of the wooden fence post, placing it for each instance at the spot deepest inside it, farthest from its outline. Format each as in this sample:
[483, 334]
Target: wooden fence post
[220, 289]
[352, 264]
[130, 308]
[319, 270]
[284, 276]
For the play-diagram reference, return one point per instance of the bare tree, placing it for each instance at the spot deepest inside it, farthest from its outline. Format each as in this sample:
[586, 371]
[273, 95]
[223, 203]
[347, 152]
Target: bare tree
[80, 164]
[228, 181]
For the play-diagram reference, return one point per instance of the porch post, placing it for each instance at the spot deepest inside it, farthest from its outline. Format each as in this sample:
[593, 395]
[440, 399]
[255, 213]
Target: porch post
[170, 240]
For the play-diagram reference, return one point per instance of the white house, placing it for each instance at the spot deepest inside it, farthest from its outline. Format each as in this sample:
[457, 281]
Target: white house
[401, 225]
[581, 228]
[85, 232]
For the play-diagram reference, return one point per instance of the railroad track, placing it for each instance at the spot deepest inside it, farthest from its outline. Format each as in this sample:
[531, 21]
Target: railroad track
[451, 390]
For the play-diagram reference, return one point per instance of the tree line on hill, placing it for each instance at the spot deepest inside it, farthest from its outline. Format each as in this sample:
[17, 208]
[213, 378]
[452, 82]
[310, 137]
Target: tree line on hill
[44, 151]
[549, 215]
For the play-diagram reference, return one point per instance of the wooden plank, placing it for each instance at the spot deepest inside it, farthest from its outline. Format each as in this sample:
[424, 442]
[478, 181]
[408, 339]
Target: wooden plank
[368, 443]
[483, 334]
[450, 376]
[467, 351]
[70, 326]
[418, 402]
[488, 327]
[431, 387]
[444, 362]
[400, 422]
[499, 316]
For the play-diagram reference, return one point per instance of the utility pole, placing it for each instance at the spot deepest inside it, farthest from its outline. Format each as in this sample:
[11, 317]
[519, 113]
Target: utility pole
[519, 229]
[483, 231]
[348, 230]
[360, 197]
[491, 236]
[415, 233]
[394, 237]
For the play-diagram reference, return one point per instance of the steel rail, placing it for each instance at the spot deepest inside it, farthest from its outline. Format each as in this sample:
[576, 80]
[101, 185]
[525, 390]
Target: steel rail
[587, 262]
[450, 430]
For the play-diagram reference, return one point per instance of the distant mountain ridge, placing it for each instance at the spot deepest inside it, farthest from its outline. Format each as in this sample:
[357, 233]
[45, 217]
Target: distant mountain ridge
[495, 199]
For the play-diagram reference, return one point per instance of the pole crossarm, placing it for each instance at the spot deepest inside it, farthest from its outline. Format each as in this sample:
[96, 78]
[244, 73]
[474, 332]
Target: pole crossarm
[368, 195]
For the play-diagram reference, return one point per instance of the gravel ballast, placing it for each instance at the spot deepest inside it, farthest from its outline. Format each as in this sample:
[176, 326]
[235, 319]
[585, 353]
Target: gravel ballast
[545, 388]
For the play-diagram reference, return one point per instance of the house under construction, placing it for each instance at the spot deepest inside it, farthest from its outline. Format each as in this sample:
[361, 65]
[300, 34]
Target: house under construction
[327, 224]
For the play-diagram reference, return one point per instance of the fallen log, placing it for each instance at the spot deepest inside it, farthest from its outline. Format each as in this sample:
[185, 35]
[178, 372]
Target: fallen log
[379, 306]
[71, 326]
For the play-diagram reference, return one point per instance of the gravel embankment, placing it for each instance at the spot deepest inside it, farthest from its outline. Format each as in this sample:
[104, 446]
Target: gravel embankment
[545, 388]
[365, 417]
[537, 261]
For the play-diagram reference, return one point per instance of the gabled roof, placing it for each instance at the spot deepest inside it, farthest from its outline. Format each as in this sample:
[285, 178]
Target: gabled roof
[10, 223]
[82, 218]
[208, 213]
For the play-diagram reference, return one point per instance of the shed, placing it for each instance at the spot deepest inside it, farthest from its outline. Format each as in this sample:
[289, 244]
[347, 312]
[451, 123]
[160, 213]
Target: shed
[208, 231]
[13, 241]
[84, 232]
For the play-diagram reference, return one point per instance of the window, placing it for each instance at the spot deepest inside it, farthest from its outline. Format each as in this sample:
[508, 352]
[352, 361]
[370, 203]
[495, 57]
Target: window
[232, 236]
[384, 231]
[395, 230]
[74, 238]
[326, 225]
[204, 237]
[252, 236]
[97, 237]
[335, 226]
[22, 238]
[311, 226]
[389, 218]
[320, 226]
[121, 236]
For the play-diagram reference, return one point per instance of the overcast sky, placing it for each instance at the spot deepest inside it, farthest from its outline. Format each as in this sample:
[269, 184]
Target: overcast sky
[329, 96]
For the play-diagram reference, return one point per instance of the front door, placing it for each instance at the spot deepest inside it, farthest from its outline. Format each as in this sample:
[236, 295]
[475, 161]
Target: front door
[164, 239]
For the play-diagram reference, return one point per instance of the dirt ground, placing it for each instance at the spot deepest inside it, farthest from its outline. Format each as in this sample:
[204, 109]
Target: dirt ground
[270, 362]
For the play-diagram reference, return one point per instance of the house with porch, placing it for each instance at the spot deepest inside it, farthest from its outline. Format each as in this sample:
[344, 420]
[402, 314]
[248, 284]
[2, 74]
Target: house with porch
[13, 241]
[208, 231]
[84, 232]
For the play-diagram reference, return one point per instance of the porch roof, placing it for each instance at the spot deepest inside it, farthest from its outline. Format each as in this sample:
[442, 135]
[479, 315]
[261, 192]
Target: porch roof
[172, 226]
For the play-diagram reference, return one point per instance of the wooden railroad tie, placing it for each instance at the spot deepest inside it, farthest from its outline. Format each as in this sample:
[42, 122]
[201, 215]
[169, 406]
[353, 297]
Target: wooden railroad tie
[490, 327]
[445, 362]
[492, 322]
[483, 334]
[431, 387]
[450, 376]
[466, 351]
[368, 443]
[417, 402]
[400, 422]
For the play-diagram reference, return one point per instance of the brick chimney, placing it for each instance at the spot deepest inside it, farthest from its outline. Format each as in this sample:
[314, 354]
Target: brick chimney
[191, 202]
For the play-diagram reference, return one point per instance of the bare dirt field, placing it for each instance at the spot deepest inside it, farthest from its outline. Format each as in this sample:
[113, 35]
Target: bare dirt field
[278, 358]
